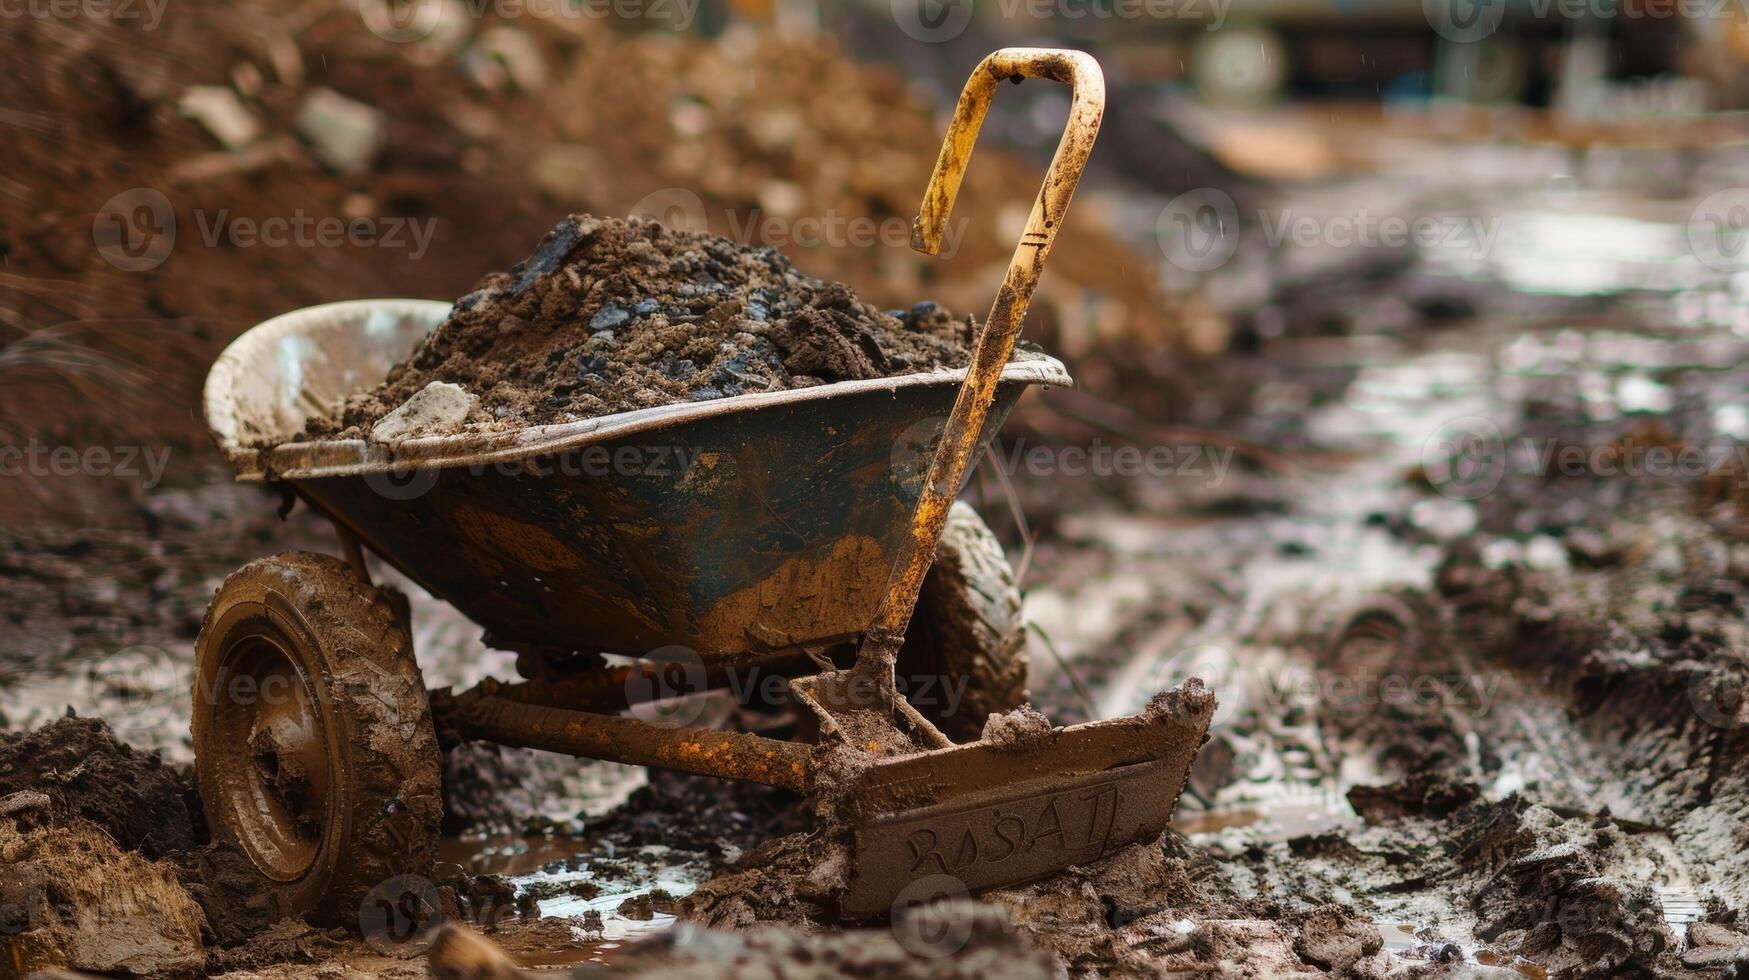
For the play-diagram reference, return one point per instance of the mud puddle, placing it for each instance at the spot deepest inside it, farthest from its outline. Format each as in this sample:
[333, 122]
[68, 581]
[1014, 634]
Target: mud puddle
[1386, 746]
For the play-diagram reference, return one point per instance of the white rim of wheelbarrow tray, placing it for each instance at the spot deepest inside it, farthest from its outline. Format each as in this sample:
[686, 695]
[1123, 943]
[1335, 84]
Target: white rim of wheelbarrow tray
[353, 457]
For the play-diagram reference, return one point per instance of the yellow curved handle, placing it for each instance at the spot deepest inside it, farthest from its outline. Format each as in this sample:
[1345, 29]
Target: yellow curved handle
[995, 342]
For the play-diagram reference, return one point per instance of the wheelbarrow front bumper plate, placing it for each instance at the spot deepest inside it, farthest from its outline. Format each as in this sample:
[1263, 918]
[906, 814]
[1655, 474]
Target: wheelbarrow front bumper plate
[995, 813]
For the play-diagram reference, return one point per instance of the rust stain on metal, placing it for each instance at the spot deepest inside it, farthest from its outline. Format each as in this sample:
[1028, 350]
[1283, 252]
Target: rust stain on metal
[798, 603]
[730, 755]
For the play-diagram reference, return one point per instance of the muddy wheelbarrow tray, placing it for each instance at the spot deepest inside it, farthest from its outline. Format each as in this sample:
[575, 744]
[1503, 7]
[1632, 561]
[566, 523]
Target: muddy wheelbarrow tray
[741, 525]
[779, 522]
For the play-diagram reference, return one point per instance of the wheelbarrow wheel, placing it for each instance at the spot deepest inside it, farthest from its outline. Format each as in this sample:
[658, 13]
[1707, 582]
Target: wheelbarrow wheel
[964, 654]
[314, 747]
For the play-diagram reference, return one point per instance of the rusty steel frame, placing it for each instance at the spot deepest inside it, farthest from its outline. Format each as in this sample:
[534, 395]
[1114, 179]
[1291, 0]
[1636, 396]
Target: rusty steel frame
[480, 716]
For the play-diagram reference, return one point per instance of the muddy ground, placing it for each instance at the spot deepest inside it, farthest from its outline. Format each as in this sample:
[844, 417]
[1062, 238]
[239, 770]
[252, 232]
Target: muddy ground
[1477, 718]
[1457, 534]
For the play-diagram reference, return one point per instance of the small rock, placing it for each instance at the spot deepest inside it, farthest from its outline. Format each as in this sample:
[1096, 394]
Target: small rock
[221, 113]
[1334, 939]
[609, 316]
[346, 134]
[1712, 946]
[436, 409]
[1017, 730]
[519, 54]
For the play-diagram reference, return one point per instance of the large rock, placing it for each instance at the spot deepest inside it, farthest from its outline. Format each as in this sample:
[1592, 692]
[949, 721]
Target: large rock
[437, 409]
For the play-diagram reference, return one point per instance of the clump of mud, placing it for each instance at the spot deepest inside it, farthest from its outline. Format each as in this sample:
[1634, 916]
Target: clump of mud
[85, 773]
[610, 315]
[71, 897]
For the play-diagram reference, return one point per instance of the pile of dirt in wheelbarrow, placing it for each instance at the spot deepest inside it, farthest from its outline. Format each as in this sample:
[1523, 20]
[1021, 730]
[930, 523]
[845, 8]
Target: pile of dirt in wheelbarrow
[609, 315]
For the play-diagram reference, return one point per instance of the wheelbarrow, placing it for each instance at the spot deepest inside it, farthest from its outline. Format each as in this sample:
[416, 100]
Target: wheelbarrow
[800, 536]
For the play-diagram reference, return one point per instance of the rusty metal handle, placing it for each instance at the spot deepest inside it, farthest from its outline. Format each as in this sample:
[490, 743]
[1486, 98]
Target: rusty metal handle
[995, 342]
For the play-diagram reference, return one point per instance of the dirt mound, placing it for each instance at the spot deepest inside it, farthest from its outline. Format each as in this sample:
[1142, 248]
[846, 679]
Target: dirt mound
[131, 795]
[610, 315]
[221, 878]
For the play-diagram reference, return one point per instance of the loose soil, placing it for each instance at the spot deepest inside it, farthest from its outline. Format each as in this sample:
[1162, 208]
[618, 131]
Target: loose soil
[609, 315]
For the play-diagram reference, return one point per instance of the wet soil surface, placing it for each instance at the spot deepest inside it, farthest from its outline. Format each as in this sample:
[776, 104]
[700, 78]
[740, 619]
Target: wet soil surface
[610, 315]
[1482, 711]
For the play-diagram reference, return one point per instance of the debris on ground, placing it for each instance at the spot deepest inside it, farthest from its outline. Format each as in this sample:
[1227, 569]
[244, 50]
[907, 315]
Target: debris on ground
[85, 773]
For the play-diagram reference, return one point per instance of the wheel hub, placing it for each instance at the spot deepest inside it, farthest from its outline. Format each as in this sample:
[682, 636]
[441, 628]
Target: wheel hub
[273, 765]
